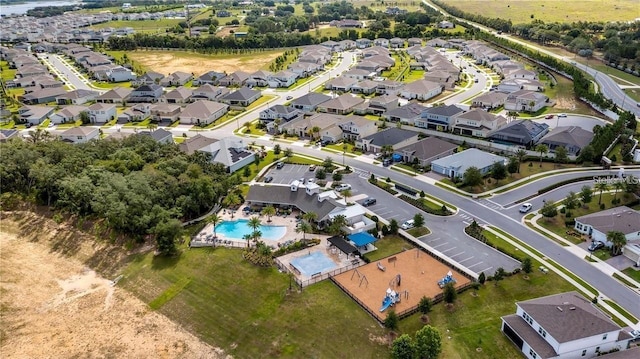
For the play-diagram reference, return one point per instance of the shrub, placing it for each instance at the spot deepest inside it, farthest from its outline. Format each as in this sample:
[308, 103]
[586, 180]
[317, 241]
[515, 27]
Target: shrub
[443, 211]
[482, 278]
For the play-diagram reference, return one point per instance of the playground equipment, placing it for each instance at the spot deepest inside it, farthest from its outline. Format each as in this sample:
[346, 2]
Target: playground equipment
[391, 298]
[381, 267]
[361, 277]
[395, 282]
[446, 280]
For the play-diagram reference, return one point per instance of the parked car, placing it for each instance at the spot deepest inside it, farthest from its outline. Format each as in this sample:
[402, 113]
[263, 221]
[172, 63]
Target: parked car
[289, 97]
[343, 187]
[548, 117]
[280, 165]
[562, 115]
[526, 207]
[595, 245]
[635, 334]
[311, 180]
[312, 168]
[369, 202]
[408, 224]
[268, 179]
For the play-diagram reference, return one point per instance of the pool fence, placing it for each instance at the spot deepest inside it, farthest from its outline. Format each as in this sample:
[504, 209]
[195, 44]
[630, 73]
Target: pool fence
[316, 277]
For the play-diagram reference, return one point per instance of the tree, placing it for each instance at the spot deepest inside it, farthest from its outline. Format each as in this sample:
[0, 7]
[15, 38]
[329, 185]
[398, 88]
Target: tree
[276, 149]
[527, 265]
[513, 166]
[339, 221]
[391, 321]
[482, 278]
[327, 163]
[393, 226]
[472, 176]
[418, 220]
[167, 232]
[601, 186]
[84, 117]
[618, 240]
[269, 211]
[424, 305]
[386, 150]
[449, 293]
[214, 219]
[315, 131]
[498, 171]
[428, 343]
[305, 228]
[288, 152]
[571, 201]
[246, 172]
[586, 194]
[337, 176]
[310, 217]
[346, 194]
[498, 275]
[548, 210]
[521, 154]
[543, 149]
[231, 201]
[631, 184]
[254, 223]
[617, 185]
[402, 347]
[562, 155]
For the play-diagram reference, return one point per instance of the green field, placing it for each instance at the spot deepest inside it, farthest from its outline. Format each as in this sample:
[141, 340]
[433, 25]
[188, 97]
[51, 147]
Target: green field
[521, 11]
[151, 26]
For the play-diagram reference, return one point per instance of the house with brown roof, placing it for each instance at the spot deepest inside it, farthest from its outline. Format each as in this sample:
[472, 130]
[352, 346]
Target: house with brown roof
[68, 114]
[208, 92]
[573, 138]
[302, 126]
[565, 325]
[340, 105]
[426, 150]
[203, 112]
[477, 123]
[80, 134]
[178, 78]
[356, 127]
[118, 95]
[237, 78]
[178, 95]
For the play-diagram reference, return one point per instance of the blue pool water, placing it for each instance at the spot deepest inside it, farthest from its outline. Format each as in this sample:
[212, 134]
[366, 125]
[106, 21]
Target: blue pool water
[313, 263]
[237, 230]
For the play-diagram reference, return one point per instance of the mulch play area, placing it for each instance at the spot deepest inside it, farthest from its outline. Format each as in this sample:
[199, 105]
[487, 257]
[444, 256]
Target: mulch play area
[419, 276]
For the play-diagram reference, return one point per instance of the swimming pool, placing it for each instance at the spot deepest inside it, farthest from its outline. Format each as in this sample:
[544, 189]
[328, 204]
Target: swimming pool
[313, 263]
[239, 228]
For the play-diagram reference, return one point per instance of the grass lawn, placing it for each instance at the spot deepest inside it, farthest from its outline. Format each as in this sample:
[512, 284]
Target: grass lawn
[304, 160]
[262, 100]
[70, 124]
[351, 149]
[633, 273]
[149, 26]
[633, 93]
[143, 123]
[419, 231]
[252, 129]
[7, 125]
[413, 75]
[389, 245]
[525, 11]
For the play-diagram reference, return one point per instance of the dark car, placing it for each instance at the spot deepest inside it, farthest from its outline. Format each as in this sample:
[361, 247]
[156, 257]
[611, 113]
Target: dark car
[369, 202]
[595, 245]
[268, 179]
[280, 165]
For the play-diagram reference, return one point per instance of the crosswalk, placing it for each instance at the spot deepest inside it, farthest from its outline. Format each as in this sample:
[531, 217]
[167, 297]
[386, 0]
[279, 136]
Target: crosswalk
[361, 173]
[489, 203]
[467, 219]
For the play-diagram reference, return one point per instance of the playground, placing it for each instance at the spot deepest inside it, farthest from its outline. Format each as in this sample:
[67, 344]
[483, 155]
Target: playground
[398, 282]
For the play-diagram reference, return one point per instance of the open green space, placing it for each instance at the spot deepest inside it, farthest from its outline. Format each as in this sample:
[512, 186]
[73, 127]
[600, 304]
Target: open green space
[525, 11]
[389, 245]
[259, 102]
[150, 26]
[419, 231]
[633, 273]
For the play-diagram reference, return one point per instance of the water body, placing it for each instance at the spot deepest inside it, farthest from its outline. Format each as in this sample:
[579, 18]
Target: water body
[21, 9]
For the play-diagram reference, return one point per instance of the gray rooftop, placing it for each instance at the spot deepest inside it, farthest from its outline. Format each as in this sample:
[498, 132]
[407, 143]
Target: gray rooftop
[472, 157]
[571, 135]
[284, 196]
[622, 219]
[408, 111]
[526, 130]
[390, 136]
[427, 148]
[447, 110]
[311, 99]
[241, 94]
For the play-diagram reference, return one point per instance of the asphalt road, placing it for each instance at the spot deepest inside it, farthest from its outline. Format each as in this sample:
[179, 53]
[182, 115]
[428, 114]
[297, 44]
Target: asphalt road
[71, 74]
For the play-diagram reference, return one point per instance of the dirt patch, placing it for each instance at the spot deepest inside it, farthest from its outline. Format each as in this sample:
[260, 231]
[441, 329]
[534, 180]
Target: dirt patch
[565, 103]
[53, 306]
[166, 62]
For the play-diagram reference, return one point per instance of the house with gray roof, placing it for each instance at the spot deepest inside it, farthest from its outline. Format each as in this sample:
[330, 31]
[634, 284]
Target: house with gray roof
[208, 78]
[438, 117]
[146, 93]
[573, 138]
[620, 219]
[149, 78]
[6, 135]
[135, 113]
[525, 100]
[68, 114]
[520, 132]
[35, 115]
[477, 123]
[283, 78]
[76, 97]
[293, 196]
[489, 100]
[178, 95]
[394, 137]
[164, 112]
[237, 78]
[381, 104]
[355, 127]
[159, 135]
[340, 105]
[302, 126]
[309, 102]
[208, 92]
[407, 114]
[80, 134]
[203, 112]
[426, 151]
[231, 152]
[242, 97]
[565, 325]
[178, 78]
[284, 114]
[340, 83]
[366, 87]
[42, 95]
[421, 90]
[457, 164]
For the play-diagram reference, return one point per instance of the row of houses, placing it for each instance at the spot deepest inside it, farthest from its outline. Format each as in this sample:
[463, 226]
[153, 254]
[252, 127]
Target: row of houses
[99, 66]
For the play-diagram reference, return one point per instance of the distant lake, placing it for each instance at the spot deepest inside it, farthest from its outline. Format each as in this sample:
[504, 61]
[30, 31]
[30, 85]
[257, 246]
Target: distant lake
[21, 9]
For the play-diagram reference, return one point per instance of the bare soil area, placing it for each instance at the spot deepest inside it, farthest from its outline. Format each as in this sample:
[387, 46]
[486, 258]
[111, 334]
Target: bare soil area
[54, 306]
[166, 62]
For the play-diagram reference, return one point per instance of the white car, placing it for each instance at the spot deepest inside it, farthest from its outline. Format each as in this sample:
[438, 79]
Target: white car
[408, 224]
[343, 187]
[562, 115]
[526, 207]
[635, 334]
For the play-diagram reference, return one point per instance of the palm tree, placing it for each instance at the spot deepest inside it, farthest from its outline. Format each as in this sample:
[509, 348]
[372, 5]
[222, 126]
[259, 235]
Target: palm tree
[214, 219]
[152, 126]
[521, 154]
[310, 217]
[231, 200]
[386, 149]
[315, 131]
[617, 185]
[337, 223]
[269, 211]
[305, 228]
[543, 149]
[346, 194]
[254, 223]
[601, 186]
[618, 239]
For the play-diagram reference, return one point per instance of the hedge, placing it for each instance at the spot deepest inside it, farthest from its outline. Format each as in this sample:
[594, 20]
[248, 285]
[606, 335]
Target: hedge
[385, 187]
[562, 183]
[420, 205]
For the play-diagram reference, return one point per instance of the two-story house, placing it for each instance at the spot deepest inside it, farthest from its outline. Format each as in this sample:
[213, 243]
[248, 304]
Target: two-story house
[146, 93]
[259, 78]
[101, 112]
[356, 127]
[277, 115]
[310, 102]
[282, 79]
[525, 100]
[438, 117]
[477, 123]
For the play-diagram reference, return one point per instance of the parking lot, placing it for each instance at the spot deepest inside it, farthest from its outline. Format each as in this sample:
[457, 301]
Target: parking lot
[289, 172]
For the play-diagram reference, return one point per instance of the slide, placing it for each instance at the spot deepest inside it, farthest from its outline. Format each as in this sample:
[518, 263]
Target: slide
[386, 303]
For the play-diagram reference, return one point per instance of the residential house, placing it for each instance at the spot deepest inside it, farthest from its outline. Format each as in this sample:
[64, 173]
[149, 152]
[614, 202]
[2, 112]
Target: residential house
[35, 115]
[573, 138]
[380, 104]
[565, 325]
[619, 219]
[80, 134]
[525, 100]
[366, 87]
[396, 43]
[489, 100]
[76, 97]
[457, 164]
[346, 24]
[441, 77]
[513, 85]
[146, 93]
[6, 135]
[120, 74]
[39, 96]
[282, 79]
[242, 97]
[407, 114]
[331, 45]
[203, 112]
[340, 83]
[118, 95]
[340, 105]
[444, 24]
[347, 44]
[438, 42]
[136, 113]
[101, 112]
[359, 74]
[426, 151]
[303, 126]
[149, 78]
[304, 69]
[439, 118]
[277, 115]
[208, 78]
[520, 73]
[178, 95]
[414, 41]
[164, 112]
[31, 70]
[477, 123]
[356, 127]
[520, 132]
[178, 78]
[421, 90]
[388, 87]
[381, 42]
[208, 92]
[237, 78]
[159, 135]
[259, 78]
[392, 137]
[231, 152]
[363, 43]
[68, 114]
[310, 102]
